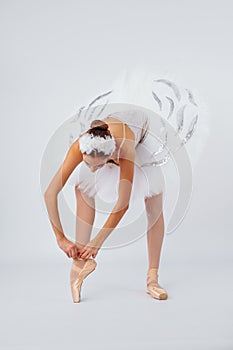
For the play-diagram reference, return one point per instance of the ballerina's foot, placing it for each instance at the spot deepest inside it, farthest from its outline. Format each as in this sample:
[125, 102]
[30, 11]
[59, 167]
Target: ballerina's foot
[153, 287]
[78, 274]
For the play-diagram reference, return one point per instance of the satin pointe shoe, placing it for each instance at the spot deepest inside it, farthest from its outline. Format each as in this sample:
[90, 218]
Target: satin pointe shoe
[78, 274]
[153, 287]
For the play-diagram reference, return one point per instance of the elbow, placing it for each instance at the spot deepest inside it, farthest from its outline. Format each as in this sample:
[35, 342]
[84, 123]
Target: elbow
[123, 208]
[125, 205]
[122, 205]
[48, 194]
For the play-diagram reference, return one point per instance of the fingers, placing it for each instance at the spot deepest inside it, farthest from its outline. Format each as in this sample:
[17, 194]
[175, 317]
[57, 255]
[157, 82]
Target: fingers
[83, 251]
[88, 252]
[73, 252]
[85, 254]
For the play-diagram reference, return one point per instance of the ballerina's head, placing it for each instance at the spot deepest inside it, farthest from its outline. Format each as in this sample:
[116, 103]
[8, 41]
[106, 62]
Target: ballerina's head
[97, 145]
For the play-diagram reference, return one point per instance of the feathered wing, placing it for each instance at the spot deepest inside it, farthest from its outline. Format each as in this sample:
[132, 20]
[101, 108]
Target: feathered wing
[178, 107]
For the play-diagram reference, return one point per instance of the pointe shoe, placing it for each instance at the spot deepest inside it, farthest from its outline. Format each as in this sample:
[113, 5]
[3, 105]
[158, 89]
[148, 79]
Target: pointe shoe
[153, 287]
[77, 275]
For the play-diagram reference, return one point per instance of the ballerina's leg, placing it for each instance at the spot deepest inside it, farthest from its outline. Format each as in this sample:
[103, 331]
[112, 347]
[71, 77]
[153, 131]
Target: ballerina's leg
[85, 216]
[155, 228]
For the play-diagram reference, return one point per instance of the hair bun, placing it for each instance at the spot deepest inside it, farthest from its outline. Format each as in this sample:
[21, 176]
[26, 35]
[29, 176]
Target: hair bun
[99, 124]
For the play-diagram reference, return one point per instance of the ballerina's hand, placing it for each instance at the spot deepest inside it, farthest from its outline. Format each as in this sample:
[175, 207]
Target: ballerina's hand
[91, 249]
[71, 249]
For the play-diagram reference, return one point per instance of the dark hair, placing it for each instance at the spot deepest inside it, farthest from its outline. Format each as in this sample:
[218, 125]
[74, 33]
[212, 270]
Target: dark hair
[99, 128]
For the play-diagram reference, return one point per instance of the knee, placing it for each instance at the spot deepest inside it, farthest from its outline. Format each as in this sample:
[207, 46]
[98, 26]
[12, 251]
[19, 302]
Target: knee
[154, 205]
[78, 193]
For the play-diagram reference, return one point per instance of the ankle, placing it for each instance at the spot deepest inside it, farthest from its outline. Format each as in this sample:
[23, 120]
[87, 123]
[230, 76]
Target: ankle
[152, 271]
[152, 275]
[153, 267]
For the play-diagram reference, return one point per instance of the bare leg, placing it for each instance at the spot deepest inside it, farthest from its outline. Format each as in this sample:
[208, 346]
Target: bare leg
[155, 235]
[155, 232]
[85, 216]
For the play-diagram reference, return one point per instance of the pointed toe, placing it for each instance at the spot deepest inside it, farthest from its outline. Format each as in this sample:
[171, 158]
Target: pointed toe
[77, 275]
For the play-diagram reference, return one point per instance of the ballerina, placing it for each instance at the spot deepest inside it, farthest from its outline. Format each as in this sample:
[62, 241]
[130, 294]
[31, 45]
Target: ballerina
[110, 141]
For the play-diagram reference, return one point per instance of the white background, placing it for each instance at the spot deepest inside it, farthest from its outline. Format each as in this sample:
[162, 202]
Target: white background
[55, 57]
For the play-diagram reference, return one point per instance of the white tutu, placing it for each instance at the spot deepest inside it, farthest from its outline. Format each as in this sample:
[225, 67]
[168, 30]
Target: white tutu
[104, 182]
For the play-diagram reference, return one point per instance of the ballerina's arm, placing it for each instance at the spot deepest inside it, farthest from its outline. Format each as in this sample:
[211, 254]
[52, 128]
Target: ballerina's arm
[72, 159]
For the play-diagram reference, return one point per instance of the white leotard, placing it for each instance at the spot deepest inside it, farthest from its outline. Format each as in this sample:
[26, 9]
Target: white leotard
[137, 121]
